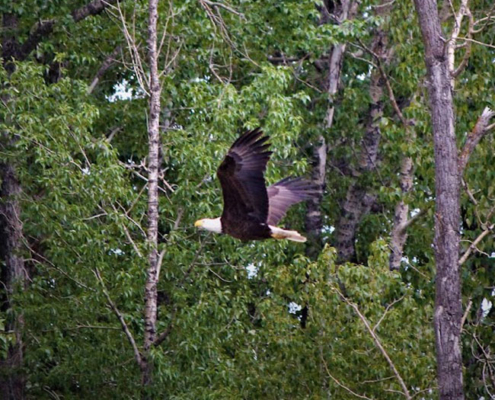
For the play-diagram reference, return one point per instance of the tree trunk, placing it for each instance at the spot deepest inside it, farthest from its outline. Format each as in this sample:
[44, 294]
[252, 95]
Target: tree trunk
[151, 293]
[313, 221]
[13, 276]
[448, 307]
[358, 201]
[13, 273]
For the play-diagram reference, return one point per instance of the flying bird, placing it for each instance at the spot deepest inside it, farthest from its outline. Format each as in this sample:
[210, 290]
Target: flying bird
[250, 209]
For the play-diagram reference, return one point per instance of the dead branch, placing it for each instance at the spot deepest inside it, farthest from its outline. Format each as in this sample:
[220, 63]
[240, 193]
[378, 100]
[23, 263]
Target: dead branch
[473, 245]
[162, 336]
[360, 396]
[44, 28]
[107, 63]
[466, 313]
[386, 312]
[480, 129]
[125, 328]
[378, 343]
[224, 6]
[133, 46]
[467, 53]
[390, 91]
[403, 228]
[451, 43]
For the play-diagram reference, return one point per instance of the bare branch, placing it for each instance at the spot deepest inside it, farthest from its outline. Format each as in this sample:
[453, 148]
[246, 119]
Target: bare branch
[491, 46]
[39, 31]
[44, 28]
[473, 245]
[451, 43]
[386, 312]
[162, 336]
[464, 317]
[378, 343]
[403, 228]
[93, 8]
[104, 67]
[125, 328]
[467, 53]
[480, 129]
[360, 396]
[224, 6]
[133, 46]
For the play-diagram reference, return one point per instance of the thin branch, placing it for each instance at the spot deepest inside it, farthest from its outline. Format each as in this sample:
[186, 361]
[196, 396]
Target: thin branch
[480, 129]
[469, 193]
[467, 53]
[104, 67]
[386, 312]
[491, 46]
[475, 243]
[93, 8]
[129, 237]
[378, 343]
[390, 91]
[159, 264]
[403, 228]
[162, 336]
[360, 396]
[125, 328]
[464, 317]
[180, 213]
[136, 59]
[112, 328]
[451, 43]
[52, 265]
[45, 28]
[224, 6]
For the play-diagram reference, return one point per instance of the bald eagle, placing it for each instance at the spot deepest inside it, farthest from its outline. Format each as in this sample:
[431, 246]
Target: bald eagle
[250, 209]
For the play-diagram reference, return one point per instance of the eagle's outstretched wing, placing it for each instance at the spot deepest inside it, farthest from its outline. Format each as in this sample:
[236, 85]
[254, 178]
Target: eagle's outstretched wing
[241, 177]
[286, 193]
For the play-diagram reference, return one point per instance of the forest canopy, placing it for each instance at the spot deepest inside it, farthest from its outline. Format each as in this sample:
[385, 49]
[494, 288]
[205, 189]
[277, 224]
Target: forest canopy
[114, 118]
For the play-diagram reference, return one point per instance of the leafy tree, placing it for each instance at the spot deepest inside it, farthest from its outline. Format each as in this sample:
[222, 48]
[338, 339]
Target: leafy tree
[340, 88]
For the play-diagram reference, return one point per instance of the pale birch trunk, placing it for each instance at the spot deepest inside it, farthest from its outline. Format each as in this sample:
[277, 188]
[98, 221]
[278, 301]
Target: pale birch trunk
[151, 294]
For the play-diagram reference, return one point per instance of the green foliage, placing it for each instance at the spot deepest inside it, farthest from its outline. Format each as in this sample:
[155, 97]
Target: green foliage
[232, 335]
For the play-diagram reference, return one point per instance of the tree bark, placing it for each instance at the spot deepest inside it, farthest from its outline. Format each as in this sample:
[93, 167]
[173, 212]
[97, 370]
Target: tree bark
[448, 307]
[357, 203]
[401, 214]
[313, 220]
[13, 276]
[358, 200]
[13, 272]
[151, 293]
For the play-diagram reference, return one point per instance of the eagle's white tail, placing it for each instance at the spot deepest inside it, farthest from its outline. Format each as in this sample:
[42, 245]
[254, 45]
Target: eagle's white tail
[279, 233]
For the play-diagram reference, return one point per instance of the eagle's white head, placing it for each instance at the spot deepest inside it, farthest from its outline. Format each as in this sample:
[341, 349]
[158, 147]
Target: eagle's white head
[209, 224]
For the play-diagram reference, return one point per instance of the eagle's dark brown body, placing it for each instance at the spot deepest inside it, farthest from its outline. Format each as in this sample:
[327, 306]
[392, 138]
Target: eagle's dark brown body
[246, 230]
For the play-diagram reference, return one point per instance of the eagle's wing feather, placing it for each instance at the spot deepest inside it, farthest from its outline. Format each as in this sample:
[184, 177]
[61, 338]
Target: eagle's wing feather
[241, 177]
[286, 193]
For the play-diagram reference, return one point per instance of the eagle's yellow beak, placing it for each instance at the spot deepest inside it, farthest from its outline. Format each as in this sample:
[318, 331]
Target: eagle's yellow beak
[198, 223]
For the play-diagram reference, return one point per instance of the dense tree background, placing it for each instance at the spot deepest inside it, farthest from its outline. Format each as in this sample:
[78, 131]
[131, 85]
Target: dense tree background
[341, 89]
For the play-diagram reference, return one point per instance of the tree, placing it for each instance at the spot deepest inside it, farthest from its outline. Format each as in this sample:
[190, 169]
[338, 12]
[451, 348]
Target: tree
[125, 299]
[448, 166]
